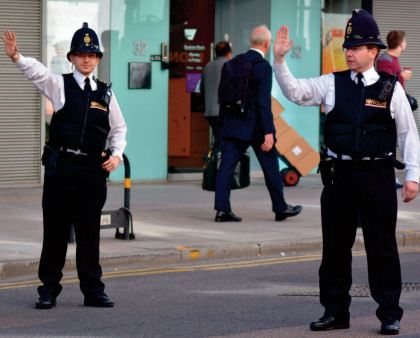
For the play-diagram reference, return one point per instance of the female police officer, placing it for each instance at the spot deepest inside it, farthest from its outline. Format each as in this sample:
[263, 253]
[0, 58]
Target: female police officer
[86, 121]
[367, 114]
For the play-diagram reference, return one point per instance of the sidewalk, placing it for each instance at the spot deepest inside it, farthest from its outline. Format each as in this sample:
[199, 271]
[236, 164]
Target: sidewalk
[173, 222]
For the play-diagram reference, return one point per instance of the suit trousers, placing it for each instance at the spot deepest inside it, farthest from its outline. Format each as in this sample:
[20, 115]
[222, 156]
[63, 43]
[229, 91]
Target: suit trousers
[361, 193]
[232, 150]
[75, 194]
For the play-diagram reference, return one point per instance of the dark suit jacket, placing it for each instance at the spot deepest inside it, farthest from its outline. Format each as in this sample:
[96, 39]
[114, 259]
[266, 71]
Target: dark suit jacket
[259, 120]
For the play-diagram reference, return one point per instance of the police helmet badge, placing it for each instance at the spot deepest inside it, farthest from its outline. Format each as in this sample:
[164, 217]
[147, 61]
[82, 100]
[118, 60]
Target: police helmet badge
[86, 39]
[348, 29]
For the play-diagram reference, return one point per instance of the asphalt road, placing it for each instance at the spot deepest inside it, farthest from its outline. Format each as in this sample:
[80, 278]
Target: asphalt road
[267, 297]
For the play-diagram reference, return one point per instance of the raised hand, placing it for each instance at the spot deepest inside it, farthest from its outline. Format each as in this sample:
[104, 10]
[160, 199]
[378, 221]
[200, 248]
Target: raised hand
[282, 44]
[10, 46]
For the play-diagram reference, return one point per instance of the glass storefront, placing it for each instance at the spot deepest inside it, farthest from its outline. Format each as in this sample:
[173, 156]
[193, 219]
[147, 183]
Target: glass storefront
[63, 18]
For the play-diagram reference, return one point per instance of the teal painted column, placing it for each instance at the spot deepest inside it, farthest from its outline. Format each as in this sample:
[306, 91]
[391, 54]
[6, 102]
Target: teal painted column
[304, 21]
[137, 30]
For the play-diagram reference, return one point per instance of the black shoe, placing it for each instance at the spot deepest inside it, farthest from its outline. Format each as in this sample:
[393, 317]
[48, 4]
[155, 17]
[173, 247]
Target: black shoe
[222, 216]
[98, 301]
[390, 327]
[326, 323]
[45, 302]
[289, 212]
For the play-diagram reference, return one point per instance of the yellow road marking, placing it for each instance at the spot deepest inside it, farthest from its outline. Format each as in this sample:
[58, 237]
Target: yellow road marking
[190, 268]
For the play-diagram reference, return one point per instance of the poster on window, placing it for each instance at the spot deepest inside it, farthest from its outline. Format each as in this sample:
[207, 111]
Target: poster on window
[333, 26]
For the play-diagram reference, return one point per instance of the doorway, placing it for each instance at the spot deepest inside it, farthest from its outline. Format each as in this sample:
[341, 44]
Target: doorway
[191, 37]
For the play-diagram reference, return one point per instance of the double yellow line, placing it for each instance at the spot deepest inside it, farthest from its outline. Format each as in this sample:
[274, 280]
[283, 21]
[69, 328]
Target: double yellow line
[189, 268]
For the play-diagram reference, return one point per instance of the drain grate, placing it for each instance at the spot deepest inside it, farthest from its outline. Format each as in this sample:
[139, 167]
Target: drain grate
[357, 290]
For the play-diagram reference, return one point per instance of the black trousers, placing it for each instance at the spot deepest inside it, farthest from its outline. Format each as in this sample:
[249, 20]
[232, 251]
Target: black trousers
[361, 193]
[75, 194]
[232, 150]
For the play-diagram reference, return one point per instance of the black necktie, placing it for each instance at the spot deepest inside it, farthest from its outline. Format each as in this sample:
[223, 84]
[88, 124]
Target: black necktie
[88, 88]
[359, 80]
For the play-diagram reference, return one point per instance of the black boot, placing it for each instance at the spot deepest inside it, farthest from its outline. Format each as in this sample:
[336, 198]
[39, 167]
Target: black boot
[45, 302]
[326, 323]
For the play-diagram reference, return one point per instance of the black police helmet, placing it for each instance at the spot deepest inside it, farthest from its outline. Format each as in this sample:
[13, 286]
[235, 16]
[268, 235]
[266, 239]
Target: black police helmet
[362, 29]
[84, 40]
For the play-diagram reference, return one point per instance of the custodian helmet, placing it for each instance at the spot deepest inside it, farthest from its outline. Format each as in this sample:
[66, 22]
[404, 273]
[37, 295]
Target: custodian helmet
[362, 29]
[84, 40]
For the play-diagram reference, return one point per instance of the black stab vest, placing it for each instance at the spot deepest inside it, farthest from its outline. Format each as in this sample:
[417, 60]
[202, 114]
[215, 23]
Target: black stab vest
[82, 123]
[360, 124]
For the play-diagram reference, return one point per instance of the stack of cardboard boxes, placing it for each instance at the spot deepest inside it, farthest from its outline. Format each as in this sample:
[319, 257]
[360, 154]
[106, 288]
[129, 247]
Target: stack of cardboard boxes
[291, 146]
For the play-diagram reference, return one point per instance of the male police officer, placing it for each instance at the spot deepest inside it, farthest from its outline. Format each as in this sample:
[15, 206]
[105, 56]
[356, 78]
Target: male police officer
[87, 119]
[367, 114]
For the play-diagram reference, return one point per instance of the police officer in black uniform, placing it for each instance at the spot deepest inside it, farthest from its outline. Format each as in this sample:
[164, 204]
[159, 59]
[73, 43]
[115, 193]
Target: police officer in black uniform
[87, 140]
[367, 115]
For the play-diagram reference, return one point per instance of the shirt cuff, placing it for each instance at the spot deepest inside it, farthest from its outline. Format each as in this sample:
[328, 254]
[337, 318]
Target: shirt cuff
[119, 155]
[21, 62]
[280, 67]
[412, 175]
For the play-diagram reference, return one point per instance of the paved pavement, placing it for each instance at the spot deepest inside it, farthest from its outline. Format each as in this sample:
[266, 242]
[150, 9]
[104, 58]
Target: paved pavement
[174, 222]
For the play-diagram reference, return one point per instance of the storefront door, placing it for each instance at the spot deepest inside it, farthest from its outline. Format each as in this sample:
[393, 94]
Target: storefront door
[191, 34]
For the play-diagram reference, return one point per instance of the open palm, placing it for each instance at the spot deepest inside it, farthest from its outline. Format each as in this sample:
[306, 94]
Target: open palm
[9, 39]
[282, 44]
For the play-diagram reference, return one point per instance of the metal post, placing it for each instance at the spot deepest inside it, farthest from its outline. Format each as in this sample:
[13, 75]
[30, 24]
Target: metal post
[127, 182]
[127, 188]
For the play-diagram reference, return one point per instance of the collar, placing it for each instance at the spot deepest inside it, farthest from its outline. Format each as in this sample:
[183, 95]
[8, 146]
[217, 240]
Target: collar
[80, 79]
[258, 51]
[369, 77]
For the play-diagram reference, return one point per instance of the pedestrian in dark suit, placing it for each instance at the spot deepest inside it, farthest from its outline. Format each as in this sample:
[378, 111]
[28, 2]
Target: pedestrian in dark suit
[209, 84]
[254, 128]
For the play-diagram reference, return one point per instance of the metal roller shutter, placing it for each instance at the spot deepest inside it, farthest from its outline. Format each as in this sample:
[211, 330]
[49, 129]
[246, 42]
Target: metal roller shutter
[20, 103]
[403, 15]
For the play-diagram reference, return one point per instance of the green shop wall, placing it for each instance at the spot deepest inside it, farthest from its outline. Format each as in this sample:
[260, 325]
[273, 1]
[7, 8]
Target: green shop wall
[303, 17]
[138, 27]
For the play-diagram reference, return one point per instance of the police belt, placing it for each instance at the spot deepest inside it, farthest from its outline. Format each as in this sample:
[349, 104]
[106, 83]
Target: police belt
[77, 152]
[346, 159]
[78, 155]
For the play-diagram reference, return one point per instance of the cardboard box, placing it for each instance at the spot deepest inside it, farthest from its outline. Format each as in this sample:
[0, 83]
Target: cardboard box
[297, 151]
[276, 107]
[280, 125]
[286, 140]
[290, 145]
[309, 162]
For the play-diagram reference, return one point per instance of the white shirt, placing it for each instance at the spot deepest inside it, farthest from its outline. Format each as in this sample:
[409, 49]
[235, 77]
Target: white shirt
[52, 86]
[321, 90]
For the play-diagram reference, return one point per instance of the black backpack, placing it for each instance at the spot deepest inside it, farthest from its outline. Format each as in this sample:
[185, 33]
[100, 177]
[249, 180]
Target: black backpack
[235, 85]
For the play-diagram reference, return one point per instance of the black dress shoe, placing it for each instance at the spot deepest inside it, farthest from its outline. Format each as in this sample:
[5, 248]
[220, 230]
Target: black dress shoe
[289, 212]
[98, 301]
[326, 323]
[45, 302]
[390, 327]
[222, 216]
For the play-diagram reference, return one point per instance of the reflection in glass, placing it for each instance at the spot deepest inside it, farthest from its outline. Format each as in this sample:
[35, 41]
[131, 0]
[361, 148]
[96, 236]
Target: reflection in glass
[63, 19]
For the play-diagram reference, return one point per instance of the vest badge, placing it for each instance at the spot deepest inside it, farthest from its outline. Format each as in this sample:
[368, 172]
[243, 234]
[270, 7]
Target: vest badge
[94, 104]
[376, 103]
